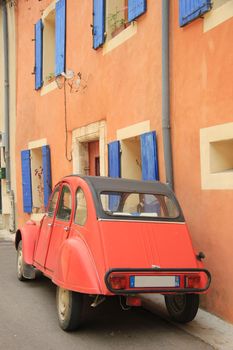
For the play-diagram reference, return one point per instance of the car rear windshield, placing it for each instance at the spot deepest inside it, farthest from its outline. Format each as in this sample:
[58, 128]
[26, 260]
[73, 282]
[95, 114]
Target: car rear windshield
[138, 205]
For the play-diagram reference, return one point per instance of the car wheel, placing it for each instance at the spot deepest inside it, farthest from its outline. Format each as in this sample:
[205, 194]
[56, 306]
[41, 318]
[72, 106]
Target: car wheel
[182, 307]
[20, 262]
[69, 308]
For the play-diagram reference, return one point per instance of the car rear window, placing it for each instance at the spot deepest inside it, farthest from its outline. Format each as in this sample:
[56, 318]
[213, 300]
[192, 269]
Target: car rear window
[139, 205]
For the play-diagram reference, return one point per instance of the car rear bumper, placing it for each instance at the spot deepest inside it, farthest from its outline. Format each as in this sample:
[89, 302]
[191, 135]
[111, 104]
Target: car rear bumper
[157, 280]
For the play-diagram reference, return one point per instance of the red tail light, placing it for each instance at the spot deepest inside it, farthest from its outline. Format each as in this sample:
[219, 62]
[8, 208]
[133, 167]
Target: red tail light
[117, 282]
[192, 281]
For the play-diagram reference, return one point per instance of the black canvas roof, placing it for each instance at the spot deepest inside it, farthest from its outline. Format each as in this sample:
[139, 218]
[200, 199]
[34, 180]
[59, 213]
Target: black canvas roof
[100, 184]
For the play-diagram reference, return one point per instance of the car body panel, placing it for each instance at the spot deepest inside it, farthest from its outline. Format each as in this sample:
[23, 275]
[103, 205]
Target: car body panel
[28, 234]
[79, 256]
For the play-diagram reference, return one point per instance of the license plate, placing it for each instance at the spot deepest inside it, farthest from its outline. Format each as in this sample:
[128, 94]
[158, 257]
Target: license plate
[154, 281]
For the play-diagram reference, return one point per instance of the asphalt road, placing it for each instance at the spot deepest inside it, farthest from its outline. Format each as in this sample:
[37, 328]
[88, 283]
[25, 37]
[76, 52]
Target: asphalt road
[28, 320]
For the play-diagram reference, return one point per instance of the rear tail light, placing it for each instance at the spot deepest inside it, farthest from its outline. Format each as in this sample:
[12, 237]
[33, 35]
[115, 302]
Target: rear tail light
[192, 281]
[118, 282]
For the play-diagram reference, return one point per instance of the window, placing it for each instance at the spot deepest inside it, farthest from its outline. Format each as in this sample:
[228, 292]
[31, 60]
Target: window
[65, 205]
[49, 47]
[116, 17]
[135, 158]
[50, 44]
[216, 145]
[192, 9]
[139, 205]
[222, 11]
[81, 208]
[36, 179]
[109, 21]
[53, 202]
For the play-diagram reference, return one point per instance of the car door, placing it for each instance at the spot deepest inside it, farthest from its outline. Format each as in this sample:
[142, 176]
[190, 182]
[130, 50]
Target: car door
[46, 228]
[61, 227]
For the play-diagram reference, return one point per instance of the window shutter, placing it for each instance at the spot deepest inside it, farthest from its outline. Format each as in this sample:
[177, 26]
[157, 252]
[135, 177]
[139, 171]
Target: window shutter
[98, 23]
[149, 156]
[114, 169]
[60, 36]
[38, 54]
[26, 181]
[136, 8]
[191, 9]
[114, 161]
[46, 174]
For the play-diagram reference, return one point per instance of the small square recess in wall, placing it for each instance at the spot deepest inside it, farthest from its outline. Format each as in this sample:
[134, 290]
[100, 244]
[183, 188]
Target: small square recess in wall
[216, 147]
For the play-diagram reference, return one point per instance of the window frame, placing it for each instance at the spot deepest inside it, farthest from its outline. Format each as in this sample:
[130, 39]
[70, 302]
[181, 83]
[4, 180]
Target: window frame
[76, 205]
[62, 192]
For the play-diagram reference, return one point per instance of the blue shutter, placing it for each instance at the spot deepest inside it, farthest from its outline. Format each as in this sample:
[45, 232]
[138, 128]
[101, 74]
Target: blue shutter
[98, 23]
[136, 8]
[114, 161]
[114, 170]
[26, 181]
[38, 54]
[191, 9]
[46, 173]
[60, 36]
[149, 156]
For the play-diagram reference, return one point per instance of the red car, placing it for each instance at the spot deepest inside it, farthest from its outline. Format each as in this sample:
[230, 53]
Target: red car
[103, 237]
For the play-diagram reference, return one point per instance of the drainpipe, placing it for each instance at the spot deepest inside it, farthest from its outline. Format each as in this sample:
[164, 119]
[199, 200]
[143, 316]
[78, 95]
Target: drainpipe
[7, 114]
[166, 126]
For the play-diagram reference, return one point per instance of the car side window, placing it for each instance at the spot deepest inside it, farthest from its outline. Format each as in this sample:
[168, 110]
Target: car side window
[65, 205]
[53, 202]
[81, 208]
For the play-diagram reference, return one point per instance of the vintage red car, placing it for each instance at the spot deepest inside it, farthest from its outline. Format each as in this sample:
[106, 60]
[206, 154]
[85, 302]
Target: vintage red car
[104, 237]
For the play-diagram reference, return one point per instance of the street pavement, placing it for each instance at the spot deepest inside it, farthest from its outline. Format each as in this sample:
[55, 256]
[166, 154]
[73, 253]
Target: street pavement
[28, 319]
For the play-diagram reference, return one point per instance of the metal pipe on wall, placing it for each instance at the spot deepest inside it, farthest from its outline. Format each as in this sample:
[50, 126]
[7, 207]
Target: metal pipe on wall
[166, 126]
[7, 114]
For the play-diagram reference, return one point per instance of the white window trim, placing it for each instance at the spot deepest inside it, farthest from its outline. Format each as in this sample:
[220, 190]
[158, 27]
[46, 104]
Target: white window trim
[221, 180]
[126, 34]
[217, 16]
[80, 137]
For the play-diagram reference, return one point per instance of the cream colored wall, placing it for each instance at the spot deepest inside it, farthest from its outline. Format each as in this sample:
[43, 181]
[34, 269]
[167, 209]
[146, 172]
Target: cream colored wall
[1, 73]
[6, 207]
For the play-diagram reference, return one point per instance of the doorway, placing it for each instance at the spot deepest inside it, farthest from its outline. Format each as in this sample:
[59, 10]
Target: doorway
[94, 158]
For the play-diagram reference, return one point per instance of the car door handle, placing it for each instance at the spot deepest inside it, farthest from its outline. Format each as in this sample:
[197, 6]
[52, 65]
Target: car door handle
[66, 228]
[49, 224]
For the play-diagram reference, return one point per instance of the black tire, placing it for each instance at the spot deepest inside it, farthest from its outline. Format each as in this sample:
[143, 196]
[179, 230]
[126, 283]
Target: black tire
[182, 307]
[20, 263]
[70, 307]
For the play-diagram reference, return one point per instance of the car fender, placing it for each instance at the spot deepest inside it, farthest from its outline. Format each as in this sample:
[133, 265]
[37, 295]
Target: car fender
[28, 234]
[75, 268]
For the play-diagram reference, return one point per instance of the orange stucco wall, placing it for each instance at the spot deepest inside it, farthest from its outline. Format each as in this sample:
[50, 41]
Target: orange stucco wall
[124, 88]
[202, 96]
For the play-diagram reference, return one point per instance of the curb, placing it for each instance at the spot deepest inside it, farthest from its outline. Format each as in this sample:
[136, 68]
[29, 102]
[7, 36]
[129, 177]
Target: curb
[210, 329]
[6, 235]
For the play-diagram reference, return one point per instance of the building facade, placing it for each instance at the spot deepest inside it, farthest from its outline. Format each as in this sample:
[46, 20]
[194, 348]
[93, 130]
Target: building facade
[89, 101]
[8, 197]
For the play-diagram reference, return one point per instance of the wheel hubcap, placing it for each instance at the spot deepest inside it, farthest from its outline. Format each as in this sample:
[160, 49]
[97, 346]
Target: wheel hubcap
[179, 302]
[63, 303]
[20, 262]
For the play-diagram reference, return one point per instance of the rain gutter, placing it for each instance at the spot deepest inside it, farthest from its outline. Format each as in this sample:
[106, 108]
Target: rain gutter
[166, 125]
